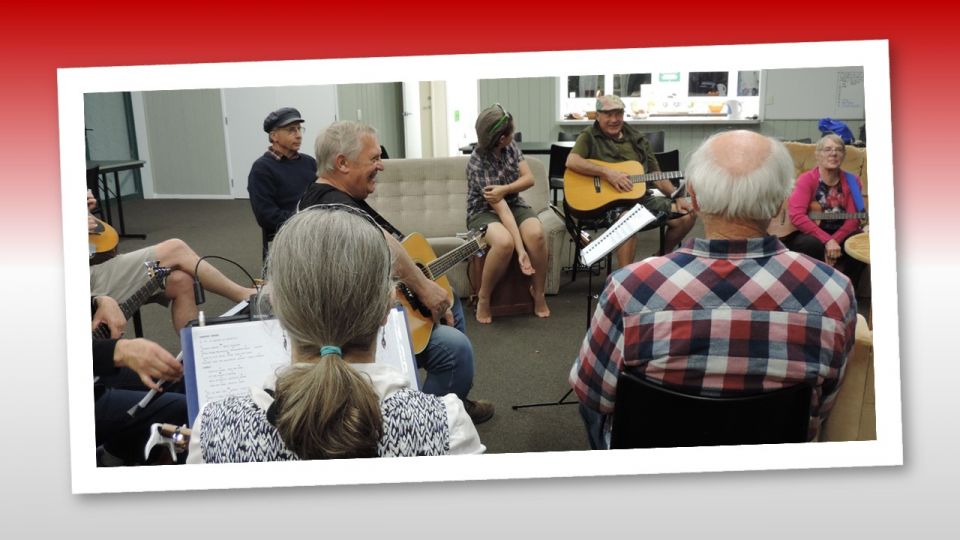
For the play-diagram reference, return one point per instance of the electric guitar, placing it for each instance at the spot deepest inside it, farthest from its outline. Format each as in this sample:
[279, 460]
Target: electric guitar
[587, 195]
[781, 226]
[102, 242]
[155, 276]
[420, 318]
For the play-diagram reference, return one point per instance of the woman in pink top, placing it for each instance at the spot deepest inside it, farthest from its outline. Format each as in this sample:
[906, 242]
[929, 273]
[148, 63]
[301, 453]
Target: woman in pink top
[825, 189]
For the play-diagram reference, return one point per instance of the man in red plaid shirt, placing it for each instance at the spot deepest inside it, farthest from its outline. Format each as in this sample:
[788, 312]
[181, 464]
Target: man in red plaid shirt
[734, 313]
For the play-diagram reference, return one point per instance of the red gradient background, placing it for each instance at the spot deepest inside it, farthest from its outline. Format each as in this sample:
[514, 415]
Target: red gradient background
[35, 41]
[34, 45]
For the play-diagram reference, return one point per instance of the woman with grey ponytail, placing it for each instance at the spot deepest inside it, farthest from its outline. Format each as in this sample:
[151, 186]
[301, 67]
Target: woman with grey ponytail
[329, 284]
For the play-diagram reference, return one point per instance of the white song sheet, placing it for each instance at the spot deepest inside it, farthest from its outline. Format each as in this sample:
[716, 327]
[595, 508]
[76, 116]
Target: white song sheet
[629, 223]
[227, 359]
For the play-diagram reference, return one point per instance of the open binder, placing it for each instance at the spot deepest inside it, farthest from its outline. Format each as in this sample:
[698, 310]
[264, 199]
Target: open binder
[227, 356]
[629, 223]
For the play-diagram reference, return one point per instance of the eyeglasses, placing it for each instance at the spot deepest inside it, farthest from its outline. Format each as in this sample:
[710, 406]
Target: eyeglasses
[832, 150]
[499, 123]
[293, 130]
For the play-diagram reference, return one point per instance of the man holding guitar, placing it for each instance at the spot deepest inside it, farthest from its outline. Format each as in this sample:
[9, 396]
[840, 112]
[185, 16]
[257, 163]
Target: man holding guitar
[348, 158]
[612, 140]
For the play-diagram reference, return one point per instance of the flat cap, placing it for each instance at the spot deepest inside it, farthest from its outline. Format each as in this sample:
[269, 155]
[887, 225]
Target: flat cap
[280, 118]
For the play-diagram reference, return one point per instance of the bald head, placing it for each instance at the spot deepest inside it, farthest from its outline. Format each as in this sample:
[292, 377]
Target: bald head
[740, 175]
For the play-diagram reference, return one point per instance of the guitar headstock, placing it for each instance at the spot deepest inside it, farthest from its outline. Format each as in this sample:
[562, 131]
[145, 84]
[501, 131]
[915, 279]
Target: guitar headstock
[479, 237]
[155, 271]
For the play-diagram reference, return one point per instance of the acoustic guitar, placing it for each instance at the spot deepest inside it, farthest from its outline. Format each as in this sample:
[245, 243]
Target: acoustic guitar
[590, 195]
[420, 318]
[781, 226]
[102, 242]
[155, 275]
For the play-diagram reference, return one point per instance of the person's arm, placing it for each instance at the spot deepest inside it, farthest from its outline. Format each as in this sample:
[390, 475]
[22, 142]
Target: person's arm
[108, 312]
[620, 181]
[262, 186]
[849, 226]
[103, 357]
[148, 359]
[523, 182]
[464, 438]
[502, 209]
[432, 295]
[600, 360]
[798, 204]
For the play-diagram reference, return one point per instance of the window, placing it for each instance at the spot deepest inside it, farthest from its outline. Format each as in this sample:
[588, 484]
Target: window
[708, 83]
[584, 86]
[628, 84]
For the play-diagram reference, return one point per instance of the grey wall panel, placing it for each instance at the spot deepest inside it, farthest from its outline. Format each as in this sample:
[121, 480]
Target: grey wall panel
[532, 101]
[379, 105]
[186, 142]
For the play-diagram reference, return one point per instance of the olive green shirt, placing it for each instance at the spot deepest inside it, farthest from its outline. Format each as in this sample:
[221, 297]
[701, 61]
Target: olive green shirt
[632, 146]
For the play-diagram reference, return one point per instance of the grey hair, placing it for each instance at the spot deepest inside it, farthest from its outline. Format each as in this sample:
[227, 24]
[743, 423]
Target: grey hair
[329, 283]
[755, 195]
[832, 137]
[344, 137]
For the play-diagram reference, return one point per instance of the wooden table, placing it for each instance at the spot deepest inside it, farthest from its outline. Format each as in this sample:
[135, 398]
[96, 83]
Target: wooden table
[858, 247]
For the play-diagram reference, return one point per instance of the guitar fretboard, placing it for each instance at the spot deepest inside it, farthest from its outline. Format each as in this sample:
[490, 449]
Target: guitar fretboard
[442, 265]
[135, 301]
[655, 176]
[819, 216]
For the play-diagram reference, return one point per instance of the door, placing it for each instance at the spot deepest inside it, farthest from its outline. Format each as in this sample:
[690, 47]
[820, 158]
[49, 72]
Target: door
[244, 110]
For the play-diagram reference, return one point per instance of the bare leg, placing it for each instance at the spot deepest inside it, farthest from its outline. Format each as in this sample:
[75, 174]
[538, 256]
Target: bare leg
[625, 251]
[183, 306]
[498, 257]
[533, 240]
[177, 254]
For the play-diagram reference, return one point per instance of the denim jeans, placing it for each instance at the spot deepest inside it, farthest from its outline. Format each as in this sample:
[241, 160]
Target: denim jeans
[448, 357]
[126, 437]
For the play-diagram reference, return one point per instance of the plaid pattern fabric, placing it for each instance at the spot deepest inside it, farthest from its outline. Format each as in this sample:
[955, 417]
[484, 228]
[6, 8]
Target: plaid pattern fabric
[484, 169]
[721, 318]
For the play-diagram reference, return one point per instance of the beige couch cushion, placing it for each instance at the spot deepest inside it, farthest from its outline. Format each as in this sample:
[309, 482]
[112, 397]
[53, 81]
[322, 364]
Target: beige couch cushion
[854, 416]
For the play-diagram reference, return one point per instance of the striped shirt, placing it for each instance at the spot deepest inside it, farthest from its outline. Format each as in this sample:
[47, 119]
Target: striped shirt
[721, 318]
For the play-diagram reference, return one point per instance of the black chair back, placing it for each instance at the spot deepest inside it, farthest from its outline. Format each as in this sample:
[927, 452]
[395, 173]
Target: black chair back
[517, 136]
[656, 140]
[648, 415]
[566, 136]
[668, 161]
[558, 165]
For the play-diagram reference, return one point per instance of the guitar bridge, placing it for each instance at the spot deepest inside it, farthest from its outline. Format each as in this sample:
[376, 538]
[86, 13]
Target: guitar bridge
[596, 184]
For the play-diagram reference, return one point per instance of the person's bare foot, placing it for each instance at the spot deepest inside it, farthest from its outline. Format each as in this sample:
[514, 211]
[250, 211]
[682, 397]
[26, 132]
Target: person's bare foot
[483, 311]
[540, 308]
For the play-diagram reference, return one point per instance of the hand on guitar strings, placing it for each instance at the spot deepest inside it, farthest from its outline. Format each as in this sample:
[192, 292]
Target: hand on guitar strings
[109, 313]
[435, 298]
[620, 181]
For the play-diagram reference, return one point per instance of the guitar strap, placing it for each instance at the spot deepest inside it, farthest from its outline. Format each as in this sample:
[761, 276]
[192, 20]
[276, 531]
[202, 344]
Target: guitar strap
[854, 190]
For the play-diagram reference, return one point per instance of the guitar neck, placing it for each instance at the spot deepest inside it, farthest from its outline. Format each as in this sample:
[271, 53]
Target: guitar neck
[443, 264]
[130, 305]
[655, 176]
[829, 216]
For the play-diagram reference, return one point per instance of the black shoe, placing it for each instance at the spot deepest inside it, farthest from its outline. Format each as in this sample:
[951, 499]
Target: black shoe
[480, 411]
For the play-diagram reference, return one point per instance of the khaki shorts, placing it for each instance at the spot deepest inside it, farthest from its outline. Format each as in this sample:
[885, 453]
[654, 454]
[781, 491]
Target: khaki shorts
[124, 275]
[520, 214]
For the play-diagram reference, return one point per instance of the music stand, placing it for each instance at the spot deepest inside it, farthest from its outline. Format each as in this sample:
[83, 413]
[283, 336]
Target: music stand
[576, 234]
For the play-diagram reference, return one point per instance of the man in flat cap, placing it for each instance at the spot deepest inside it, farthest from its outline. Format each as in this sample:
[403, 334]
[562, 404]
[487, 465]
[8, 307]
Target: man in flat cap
[280, 176]
[612, 140]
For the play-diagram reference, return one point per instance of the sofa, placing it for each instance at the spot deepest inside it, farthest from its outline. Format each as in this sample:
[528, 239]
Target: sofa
[429, 196]
[854, 414]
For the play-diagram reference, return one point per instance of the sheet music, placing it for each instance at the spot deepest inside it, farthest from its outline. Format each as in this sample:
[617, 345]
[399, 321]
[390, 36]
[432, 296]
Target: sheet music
[629, 223]
[227, 359]
[230, 358]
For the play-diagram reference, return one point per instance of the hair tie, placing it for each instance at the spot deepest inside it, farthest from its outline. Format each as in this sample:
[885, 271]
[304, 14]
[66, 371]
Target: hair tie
[331, 349]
